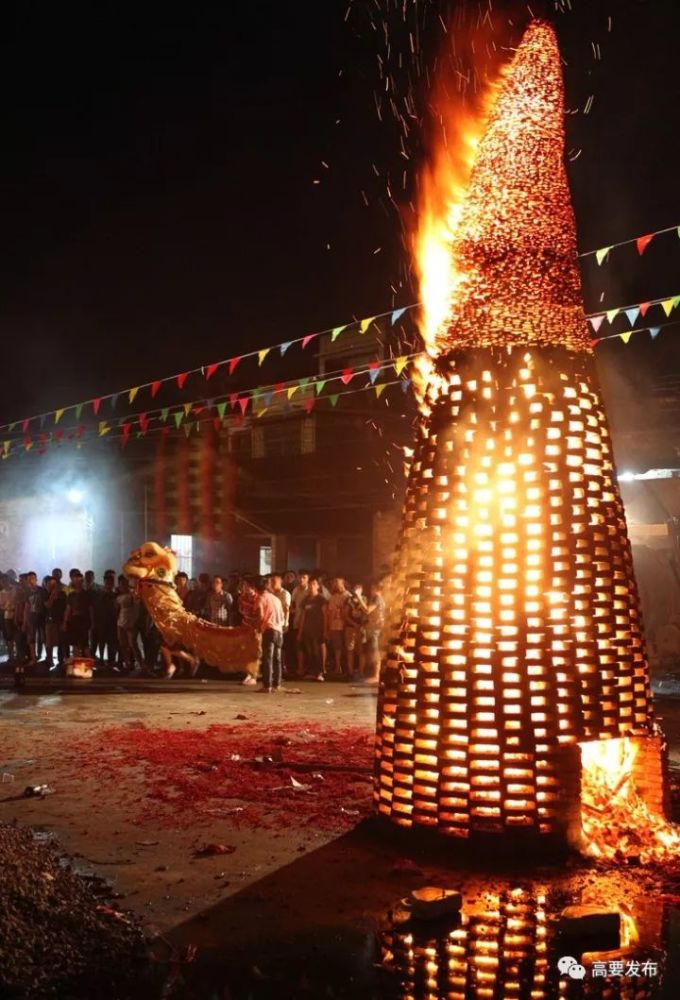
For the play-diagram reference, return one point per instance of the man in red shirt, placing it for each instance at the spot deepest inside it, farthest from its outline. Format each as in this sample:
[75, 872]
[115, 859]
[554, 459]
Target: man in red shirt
[272, 621]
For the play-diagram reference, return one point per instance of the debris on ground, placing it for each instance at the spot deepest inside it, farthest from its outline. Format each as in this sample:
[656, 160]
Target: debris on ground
[57, 938]
[208, 849]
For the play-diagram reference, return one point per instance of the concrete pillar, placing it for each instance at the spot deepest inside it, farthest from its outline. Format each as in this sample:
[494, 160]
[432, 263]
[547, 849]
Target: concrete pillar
[279, 545]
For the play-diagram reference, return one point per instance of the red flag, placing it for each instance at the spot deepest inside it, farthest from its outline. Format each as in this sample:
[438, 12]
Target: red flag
[165, 431]
[232, 365]
[644, 306]
[25, 424]
[143, 422]
[96, 403]
[306, 340]
[243, 403]
[279, 387]
[643, 242]
[198, 409]
[233, 397]
[181, 379]
[217, 423]
[125, 435]
[80, 430]
[594, 343]
[347, 375]
[309, 404]
[210, 371]
[155, 386]
[58, 435]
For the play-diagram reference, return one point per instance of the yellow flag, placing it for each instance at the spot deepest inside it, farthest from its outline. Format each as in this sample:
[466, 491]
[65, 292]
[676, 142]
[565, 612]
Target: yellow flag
[187, 409]
[293, 389]
[612, 314]
[365, 323]
[625, 337]
[400, 364]
[132, 395]
[262, 355]
[379, 389]
[58, 414]
[103, 428]
[667, 306]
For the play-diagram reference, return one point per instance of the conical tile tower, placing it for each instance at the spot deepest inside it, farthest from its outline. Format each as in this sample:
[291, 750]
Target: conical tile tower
[516, 630]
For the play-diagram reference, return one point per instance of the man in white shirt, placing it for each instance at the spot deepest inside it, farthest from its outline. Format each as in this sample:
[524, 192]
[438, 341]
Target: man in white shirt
[278, 590]
[271, 625]
[336, 623]
[297, 600]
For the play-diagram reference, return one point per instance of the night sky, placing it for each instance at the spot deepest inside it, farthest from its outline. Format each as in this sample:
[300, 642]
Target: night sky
[157, 187]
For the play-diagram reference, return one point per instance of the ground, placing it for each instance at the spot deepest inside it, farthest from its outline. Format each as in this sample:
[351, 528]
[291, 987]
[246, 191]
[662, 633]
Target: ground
[236, 826]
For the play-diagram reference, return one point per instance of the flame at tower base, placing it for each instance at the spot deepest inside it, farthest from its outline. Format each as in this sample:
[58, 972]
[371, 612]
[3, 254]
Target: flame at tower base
[517, 637]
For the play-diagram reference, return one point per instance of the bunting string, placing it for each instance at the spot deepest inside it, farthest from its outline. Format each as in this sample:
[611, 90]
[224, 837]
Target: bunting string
[361, 326]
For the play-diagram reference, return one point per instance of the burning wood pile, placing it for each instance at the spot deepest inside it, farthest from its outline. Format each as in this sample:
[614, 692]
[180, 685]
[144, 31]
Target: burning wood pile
[518, 642]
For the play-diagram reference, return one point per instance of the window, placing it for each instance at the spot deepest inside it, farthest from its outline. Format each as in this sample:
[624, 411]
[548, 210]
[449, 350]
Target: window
[183, 547]
[265, 559]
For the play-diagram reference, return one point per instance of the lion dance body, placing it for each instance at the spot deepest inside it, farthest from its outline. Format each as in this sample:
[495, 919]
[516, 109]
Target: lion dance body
[225, 647]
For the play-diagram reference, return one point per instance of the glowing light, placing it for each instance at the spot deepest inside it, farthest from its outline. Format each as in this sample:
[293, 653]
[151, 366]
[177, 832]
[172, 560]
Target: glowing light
[75, 496]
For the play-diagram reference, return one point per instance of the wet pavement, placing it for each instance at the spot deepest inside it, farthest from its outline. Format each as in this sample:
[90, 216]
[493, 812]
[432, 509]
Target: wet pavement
[311, 913]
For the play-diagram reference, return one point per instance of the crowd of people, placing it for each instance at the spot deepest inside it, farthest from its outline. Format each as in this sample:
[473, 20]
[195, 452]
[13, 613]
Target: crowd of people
[311, 626]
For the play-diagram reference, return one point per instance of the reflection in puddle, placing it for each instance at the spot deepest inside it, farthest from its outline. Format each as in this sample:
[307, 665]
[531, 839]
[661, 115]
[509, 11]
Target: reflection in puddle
[508, 946]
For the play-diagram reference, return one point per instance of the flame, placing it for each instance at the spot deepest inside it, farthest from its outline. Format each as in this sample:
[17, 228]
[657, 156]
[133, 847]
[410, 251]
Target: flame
[443, 184]
[617, 822]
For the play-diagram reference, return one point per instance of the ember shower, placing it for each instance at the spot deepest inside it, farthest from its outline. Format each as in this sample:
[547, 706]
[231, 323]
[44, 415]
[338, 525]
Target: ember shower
[515, 690]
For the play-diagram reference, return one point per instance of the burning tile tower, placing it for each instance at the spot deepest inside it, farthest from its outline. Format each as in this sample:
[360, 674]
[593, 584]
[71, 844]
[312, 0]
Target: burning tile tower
[516, 637]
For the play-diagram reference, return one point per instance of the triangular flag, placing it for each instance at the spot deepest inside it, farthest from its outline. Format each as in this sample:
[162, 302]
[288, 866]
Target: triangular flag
[233, 399]
[41, 418]
[178, 416]
[187, 429]
[103, 428]
[334, 399]
[625, 337]
[58, 414]
[28, 444]
[655, 331]
[6, 445]
[114, 400]
[243, 403]
[632, 315]
[181, 379]
[221, 409]
[644, 306]
[96, 403]
[400, 364]
[24, 425]
[336, 331]
[612, 314]
[602, 254]
[232, 365]
[261, 355]
[667, 306]
[397, 314]
[143, 422]
[373, 371]
[405, 383]
[318, 385]
[596, 322]
[210, 371]
[79, 411]
[187, 409]
[379, 389]
[303, 382]
[12, 426]
[309, 404]
[268, 396]
[284, 347]
[155, 386]
[164, 413]
[643, 242]
[292, 390]
[365, 323]
[594, 343]
[347, 376]
[307, 339]
[279, 386]
[132, 395]
[676, 301]
[217, 423]
[58, 435]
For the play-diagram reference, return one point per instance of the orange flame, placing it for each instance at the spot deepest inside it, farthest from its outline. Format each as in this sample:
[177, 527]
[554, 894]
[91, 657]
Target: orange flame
[616, 820]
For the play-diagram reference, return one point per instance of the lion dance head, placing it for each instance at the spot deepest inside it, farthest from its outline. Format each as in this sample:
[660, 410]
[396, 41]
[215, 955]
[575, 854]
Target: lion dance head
[152, 562]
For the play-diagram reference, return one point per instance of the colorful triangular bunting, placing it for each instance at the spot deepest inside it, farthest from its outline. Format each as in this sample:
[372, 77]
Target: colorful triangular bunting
[397, 314]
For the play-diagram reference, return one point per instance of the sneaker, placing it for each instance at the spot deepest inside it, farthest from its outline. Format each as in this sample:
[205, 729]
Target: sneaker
[319, 677]
[249, 680]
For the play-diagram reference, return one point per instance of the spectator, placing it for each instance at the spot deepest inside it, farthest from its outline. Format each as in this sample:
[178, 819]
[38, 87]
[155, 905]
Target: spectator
[151, 640]
[219, 603]
[90, 583]
[271, 626]
[128, 626]
[312, 628]
[355, 614]
[34, 618]
[58, 576]
[7, 603]
[297, 599]
[250, 610]
[105, 613]
[289, 580]
[55, 609]
[78, 619]
[335, 631]
[279, 591]
[374, 627]
[20, 598]
[182, 584]
[233, 589]
[197, 598]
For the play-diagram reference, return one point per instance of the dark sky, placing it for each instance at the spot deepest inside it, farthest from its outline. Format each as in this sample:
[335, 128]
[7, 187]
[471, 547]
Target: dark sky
[157, 191]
